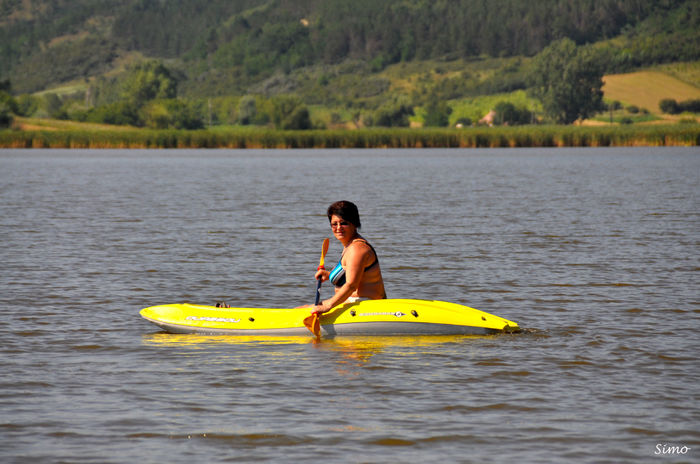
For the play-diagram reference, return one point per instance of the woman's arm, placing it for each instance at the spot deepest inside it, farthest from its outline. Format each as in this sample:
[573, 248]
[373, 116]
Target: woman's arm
[354, 269]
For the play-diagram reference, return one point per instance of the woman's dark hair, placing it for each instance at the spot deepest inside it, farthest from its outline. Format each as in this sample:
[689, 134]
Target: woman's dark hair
[346, 210]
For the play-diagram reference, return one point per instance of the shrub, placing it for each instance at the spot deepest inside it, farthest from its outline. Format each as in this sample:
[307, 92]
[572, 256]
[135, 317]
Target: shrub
[692, 106]
[55, 107]
[298, 120]
[5, 115]
[393, 115]
[510, 115]
[171, 114]
[463, 122]
[288, 112]
[8, 101]
[437, 113]
[247, 110]
[669, 105]
[27, 105]
[119, 113]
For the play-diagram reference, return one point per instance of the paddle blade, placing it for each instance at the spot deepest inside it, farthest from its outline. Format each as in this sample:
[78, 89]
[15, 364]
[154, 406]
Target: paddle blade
[324, 250]
[312, 323]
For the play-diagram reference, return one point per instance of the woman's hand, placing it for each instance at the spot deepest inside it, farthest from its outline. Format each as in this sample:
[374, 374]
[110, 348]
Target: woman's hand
[322, 274]
[324, 307]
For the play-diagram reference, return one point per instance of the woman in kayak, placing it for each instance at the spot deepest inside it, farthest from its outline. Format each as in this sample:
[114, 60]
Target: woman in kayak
[357, 275]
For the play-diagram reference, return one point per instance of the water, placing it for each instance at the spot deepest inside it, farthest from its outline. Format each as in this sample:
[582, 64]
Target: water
[594, 252]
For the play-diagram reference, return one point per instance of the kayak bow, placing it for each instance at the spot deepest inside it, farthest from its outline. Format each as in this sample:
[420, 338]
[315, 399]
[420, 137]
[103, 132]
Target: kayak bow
[369, 317]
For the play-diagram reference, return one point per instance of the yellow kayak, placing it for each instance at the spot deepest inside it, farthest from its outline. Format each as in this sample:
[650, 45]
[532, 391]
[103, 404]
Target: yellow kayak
[369, 317]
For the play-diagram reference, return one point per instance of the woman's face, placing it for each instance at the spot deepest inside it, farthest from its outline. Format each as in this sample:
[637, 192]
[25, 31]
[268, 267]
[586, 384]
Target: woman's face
[342, 229]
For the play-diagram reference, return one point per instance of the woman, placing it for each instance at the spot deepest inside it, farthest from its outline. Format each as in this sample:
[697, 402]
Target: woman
[357, 275]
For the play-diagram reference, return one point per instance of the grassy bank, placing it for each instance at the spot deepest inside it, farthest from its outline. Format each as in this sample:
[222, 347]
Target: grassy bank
[475, 137]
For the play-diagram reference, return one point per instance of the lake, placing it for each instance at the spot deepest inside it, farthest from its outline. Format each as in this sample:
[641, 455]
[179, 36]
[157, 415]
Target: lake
[594, 252]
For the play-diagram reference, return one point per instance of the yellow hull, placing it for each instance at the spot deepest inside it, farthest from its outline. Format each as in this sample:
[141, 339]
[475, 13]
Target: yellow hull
[370, 317]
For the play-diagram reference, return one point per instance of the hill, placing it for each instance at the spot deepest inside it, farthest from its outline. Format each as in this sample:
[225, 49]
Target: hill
[227, 47]
[346, 64]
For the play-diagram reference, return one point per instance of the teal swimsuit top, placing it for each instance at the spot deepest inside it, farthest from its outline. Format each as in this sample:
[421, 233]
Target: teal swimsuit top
[337, 275]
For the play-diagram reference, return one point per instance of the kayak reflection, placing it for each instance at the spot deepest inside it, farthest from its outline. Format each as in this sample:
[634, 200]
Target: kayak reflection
[334, 343]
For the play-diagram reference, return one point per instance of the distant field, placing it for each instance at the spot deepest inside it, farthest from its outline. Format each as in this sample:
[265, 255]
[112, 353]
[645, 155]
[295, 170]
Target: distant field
[646, 88]
[43, 124]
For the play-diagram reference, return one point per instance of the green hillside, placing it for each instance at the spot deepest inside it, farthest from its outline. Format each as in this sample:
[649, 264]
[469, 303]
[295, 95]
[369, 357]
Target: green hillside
[228, 46]
[348, 63]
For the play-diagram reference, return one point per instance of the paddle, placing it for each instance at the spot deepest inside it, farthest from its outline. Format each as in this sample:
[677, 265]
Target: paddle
[324, 250]
[311, 322]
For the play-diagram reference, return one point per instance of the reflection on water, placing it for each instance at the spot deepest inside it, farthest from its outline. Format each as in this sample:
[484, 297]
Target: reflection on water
[359, 342]
[196, 340]
[349, 352]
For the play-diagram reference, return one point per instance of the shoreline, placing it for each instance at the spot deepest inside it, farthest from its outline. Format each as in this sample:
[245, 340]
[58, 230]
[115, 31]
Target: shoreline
[472, 137]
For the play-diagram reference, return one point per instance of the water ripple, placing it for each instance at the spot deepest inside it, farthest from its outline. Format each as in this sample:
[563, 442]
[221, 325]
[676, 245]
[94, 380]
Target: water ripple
[593, 252]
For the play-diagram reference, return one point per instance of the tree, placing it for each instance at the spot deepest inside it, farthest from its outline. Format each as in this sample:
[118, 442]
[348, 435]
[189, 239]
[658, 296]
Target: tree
[568, 80]
[5, 115]
[119, 113]
[27, 105]
[437, 113]
[54, 106]
[148, 81]
[669, 105]
[298, 120]
[510, 115]
[8, 105]
[393, 115]
[289, 113]
[8, 101]
[692, 106]
[170, 114]
[147, 98]
[247, 110]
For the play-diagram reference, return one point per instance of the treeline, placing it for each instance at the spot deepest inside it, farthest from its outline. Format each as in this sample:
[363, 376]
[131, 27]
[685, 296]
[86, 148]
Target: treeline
[147, 97]
[672, 106]
[231, 45]
[286, 33]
